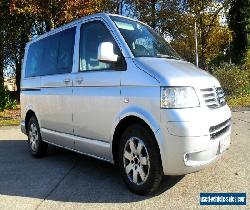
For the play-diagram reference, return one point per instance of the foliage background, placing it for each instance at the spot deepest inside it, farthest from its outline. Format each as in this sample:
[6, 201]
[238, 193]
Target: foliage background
[222, 29]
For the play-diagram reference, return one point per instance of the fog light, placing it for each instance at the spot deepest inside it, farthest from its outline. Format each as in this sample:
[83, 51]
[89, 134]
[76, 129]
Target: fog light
[186, 157]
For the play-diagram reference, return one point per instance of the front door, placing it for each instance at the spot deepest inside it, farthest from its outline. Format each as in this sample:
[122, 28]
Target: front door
[96, 87]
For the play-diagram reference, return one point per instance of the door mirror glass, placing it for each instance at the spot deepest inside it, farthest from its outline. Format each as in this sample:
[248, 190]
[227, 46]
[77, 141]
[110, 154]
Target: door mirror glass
[106, 52]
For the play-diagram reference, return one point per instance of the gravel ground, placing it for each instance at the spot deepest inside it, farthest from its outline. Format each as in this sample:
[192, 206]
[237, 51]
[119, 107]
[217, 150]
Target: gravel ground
[65, 180]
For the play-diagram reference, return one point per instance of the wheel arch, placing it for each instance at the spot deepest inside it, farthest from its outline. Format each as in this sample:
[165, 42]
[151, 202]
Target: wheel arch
[127, 120]
[29, 113]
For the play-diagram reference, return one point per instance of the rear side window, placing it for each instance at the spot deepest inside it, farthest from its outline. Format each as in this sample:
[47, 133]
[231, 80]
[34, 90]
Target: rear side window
[51, 55]
[35, 54]
[48, 64]
[66, 51]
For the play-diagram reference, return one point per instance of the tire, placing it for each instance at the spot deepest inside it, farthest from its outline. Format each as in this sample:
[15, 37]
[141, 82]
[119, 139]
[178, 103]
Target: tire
[139, 154]
[37, 147]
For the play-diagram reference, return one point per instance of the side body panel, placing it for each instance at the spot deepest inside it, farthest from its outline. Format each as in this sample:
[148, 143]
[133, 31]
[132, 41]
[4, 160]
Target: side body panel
[140, 97]
[95, 104]
[55, 108]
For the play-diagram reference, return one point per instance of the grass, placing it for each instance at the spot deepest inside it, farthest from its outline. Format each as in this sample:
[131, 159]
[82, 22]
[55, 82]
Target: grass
[10, 117]
[240, 101]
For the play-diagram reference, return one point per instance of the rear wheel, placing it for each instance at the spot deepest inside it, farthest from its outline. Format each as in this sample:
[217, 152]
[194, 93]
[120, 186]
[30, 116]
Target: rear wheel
[139, 160]
[37, 147]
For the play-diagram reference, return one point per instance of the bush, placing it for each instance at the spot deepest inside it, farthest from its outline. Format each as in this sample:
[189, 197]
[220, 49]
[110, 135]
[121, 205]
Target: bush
[235, 80]
[5, 101]
[246, 64]
[10, 103]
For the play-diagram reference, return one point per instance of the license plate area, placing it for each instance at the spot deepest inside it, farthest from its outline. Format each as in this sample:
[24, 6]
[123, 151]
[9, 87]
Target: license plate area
[224, 144]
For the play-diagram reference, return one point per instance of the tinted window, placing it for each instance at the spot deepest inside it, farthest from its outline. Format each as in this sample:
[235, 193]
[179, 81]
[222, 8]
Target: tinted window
[51, 55]
[33, 63]
[92, 34]
[66, 50]
[49, 59]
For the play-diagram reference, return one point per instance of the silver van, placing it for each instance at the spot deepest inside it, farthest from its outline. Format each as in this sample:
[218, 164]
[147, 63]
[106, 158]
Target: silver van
[110, 87]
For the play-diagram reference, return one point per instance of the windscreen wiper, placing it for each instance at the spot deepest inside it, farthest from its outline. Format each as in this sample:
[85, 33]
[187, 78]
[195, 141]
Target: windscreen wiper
[167, 56]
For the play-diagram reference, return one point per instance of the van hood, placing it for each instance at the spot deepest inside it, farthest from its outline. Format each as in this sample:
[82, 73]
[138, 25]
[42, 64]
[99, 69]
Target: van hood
[172, 72]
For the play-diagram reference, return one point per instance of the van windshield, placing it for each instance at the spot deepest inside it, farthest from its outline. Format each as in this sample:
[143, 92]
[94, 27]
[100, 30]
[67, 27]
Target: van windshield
[142, 40]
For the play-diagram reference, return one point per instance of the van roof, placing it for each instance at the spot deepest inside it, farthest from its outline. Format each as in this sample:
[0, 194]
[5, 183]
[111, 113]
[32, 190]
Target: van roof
[56, 30]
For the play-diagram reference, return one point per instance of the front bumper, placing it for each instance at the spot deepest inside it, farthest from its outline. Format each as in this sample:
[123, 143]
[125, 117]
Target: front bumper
[188, 145]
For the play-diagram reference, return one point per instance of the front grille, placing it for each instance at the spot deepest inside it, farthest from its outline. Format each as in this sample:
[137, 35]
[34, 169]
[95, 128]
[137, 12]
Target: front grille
[214, 97]
[220, 129]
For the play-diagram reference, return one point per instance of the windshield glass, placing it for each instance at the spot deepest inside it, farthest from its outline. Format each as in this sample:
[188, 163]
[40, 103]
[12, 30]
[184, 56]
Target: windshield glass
[142, 40]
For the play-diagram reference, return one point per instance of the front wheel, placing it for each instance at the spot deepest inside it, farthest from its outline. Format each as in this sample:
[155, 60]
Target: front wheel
[37, 147]
[139, 160]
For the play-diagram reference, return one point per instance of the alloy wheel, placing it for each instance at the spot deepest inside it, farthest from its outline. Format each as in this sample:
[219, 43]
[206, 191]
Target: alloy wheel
[136, 161]
[33, 136]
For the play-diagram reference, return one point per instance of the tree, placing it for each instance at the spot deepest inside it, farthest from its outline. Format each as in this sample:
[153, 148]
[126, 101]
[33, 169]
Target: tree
[24, 19]
[156, 13]
[175, 20]
[1, 49]
[206, 14]
[217, 40]
[121, 7]
[1, 41]
[21, 20]
[239, 23]
[15, 31]
[1, 60]
[49, 14]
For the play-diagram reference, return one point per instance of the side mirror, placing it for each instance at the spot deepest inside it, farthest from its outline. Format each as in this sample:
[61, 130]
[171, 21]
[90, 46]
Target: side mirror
[106, 52]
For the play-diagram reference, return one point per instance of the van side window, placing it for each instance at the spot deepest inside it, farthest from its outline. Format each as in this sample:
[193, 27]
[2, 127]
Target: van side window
[66, 51]
[92, 34]
[33, 64]
[51, 55]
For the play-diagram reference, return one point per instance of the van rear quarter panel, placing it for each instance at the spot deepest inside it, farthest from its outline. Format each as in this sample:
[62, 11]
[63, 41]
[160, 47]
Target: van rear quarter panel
[30, 96]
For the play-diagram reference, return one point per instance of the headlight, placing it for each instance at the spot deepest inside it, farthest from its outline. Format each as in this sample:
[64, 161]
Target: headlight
[178, 97]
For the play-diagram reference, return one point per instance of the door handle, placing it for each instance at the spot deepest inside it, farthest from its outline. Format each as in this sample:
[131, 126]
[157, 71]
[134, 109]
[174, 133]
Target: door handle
[66, 81]
[79, 80]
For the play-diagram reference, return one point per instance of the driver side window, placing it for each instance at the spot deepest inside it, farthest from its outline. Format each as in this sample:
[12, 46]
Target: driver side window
[92, 34]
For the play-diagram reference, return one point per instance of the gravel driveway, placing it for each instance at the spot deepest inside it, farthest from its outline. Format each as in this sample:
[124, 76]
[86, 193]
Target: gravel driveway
[65, 180]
